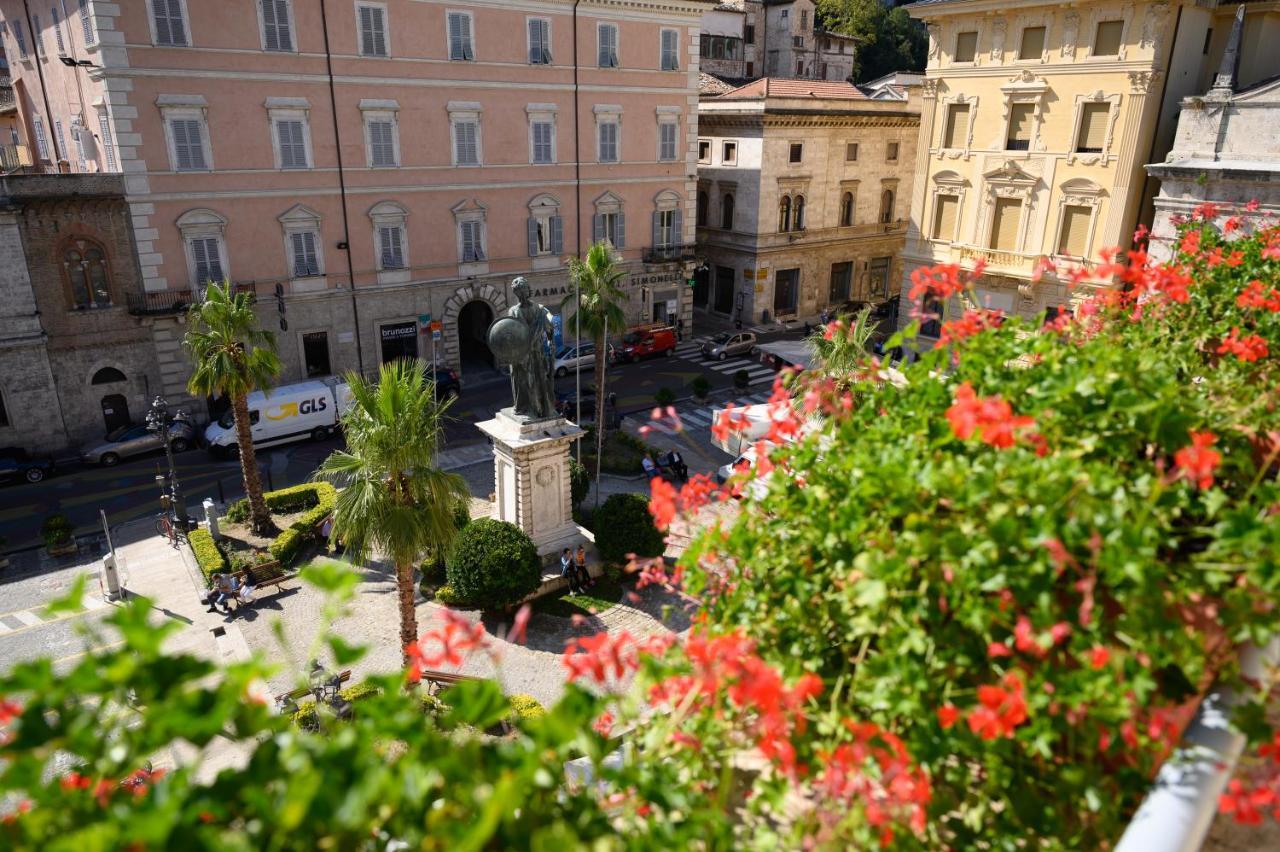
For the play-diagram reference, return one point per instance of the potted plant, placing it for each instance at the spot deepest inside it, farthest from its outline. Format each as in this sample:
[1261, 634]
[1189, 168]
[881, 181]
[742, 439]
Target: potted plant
[57, 532]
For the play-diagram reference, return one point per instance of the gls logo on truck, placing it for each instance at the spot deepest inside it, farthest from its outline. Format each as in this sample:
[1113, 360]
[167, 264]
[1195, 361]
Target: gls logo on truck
[293, 409]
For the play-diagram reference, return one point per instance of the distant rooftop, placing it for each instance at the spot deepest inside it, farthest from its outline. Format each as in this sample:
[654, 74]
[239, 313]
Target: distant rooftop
[773, 87]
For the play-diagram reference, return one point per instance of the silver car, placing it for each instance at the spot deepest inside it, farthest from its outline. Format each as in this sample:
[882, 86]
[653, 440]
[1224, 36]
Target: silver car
[584, 356]
[729, 344]
[136, 440]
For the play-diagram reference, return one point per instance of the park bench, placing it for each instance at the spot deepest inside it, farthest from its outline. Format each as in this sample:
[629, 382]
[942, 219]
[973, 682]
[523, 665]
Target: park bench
[304, 691]
[255, 578]
[437, 681]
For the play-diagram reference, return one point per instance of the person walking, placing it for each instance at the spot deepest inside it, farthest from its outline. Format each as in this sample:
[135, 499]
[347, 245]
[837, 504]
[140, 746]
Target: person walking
[585, 579]
[570, 573]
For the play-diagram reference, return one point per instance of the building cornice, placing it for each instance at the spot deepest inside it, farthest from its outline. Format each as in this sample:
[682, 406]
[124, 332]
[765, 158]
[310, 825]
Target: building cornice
[806, 119]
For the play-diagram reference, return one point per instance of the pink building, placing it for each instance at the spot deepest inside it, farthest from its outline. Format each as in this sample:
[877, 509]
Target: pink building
[384, 165]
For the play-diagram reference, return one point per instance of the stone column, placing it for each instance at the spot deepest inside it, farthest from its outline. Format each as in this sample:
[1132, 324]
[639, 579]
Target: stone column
[1141, 83]
[915, 248]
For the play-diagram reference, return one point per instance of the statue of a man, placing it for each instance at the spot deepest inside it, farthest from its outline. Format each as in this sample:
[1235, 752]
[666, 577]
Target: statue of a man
[531, 380]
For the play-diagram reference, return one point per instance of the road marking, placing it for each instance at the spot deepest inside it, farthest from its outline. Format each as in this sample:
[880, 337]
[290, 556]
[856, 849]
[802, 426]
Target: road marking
[28, 618]
[95, 649]
[4, 628]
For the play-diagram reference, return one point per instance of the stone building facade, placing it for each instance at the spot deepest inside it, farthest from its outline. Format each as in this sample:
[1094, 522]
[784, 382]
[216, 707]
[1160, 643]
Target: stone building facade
[1036, 124]
[74, 363]
[745, 40]
[387, 164]
[802, 200]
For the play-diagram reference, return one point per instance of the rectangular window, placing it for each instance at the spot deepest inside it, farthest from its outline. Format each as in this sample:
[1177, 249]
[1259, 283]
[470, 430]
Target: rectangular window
[1093, 128]
[891, 153]
[460, 48]
[1075, 230]
[607, 46]
[466, 149]
[546, 235]
[293, 144]
[108, 145]
[1004, 224]
[841, 280]
[608, 142]
[667, 132]
[276, 34]
[188, 145]
[37, 36]
[391, 247]
[666, 228]
[42, 143]
[207, 259]
[749, 34]
[302, 246]
[81, 164]
[62, 139]
[1106, 42]
[956, 132]
[797, 152]
[543, 140]
[610, 227]
[166, 15]
[804, 20]
[797, 41]
[729, 154]
[704, 151]
[851, 152]
[315, 353]
[373, 30]
[382, 143]
[20, 38]
[86, 23]
[944, 217]
[472, 245]
[539, 41]
[670, 50]
[1020, 117]
[57, 31]
[966, 46]
[1032, 46]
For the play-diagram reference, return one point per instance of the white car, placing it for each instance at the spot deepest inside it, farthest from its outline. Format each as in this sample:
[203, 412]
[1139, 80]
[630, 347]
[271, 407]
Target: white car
[583, 355]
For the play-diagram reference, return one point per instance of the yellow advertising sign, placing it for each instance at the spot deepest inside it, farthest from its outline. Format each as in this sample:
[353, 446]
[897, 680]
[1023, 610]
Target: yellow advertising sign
[283, 412]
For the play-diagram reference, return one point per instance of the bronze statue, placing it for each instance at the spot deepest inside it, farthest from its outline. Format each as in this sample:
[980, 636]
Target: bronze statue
[522, 338]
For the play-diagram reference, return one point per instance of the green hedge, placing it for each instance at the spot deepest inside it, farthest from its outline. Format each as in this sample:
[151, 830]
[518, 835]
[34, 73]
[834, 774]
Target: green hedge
[492, 564]
[318, 498]
[623, 525]
[208, 555]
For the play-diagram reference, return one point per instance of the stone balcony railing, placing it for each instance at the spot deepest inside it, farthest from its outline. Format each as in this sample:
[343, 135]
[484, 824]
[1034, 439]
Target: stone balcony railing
[997, 260]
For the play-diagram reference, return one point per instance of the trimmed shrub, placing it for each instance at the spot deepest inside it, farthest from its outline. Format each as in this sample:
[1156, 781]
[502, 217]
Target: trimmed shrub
[742, 380]
[525, 708]
[238, 512]
[306, 715]
[623, 525]
[664, 396]
[579, 481]
[493, 564]
[299, 497]
[208, 555]
[447, 596]
[701, 386]
[319, 498]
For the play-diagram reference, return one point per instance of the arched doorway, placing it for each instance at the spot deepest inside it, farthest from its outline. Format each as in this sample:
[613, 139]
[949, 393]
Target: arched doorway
[473, 327]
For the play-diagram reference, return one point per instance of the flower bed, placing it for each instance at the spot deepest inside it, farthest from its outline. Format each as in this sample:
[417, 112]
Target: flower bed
[314, 500]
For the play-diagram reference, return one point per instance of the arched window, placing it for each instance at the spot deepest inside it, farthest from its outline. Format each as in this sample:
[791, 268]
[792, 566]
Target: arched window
[798, 219]
[886, 207]
[726, 211]
[86, 267]
[703, 201]
[784, 214]
[106, 376]
[846, 210]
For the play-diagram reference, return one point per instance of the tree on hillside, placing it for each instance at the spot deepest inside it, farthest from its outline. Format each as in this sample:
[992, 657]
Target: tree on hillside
[888, 39]
[231, 354]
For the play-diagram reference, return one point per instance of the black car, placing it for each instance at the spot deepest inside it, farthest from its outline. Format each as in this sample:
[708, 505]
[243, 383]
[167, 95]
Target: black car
[448, 385]
[16, 463]
[567, 403]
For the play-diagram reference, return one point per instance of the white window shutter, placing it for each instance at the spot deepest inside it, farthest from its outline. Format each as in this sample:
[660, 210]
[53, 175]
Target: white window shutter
[620, 231]
[467, 49]
[657, 229]
[597, 228]
[532, 233]
[677, 228]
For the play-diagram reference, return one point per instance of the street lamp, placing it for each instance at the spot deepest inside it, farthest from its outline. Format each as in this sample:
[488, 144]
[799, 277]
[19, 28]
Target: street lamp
[160, 422]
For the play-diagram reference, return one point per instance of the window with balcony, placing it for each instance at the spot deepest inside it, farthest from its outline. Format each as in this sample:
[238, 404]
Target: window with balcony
[1092, 136]
[1021, 117]
[1106, 40]
[955, 132]
[666, 228]
[1032, 45]
[726, 211]
[945, 215]
[539, 41]
[670, 50]
[1073, 236]
[277, 25]
[607, 45]
[966, 46]
[206, 259]
[85, 265]
[1005, 218]
[461, 48]
[846, 210]
[609, 223]
[371, 19]
[169, 23]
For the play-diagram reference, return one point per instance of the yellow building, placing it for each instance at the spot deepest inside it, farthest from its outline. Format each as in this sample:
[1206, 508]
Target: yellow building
[1038, 118]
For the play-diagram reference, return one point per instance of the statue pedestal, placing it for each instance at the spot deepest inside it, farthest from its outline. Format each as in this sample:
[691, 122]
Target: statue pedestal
[531, 478]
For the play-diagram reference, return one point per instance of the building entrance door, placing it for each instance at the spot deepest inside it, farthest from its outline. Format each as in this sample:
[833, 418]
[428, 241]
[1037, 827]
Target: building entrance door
[786, 292]
[473, 329]
[115, 411]
[724, 289]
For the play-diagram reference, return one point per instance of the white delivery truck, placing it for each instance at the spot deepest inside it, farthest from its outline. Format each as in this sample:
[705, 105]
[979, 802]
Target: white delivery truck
[307, 410]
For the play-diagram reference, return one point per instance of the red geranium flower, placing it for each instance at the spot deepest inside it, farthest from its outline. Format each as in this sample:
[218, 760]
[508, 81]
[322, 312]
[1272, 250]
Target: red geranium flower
[1197, 462]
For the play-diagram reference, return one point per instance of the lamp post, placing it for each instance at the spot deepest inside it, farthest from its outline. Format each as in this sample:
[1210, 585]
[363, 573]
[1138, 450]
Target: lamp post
[159, 421]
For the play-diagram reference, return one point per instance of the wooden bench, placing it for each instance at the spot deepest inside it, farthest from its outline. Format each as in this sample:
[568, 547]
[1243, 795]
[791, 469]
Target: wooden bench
[437, 681]
[304, 691]
[257, 582]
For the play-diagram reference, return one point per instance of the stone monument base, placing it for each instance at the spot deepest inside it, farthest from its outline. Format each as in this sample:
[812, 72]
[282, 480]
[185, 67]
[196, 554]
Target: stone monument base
[531, 478]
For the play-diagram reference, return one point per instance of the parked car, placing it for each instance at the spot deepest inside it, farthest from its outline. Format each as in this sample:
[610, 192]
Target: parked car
[583, 355]
[448, 385]
[16, 463]
[648, 340]
[298, 412]
[567, 404]
[730, 344]
[135, 440]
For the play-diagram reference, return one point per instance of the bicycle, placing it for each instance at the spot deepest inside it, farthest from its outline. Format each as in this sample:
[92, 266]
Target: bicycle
[167, 527]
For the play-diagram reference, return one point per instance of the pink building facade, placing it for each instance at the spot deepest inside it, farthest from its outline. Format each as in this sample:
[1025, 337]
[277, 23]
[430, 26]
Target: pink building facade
[383, 165]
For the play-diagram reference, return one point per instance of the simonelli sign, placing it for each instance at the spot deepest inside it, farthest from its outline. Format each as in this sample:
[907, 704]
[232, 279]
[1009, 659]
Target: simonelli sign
[656, 279]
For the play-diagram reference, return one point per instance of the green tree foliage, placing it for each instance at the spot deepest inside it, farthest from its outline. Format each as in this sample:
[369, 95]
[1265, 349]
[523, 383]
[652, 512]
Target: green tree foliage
[888, 38]
[597, 306]
[493, 564]
[579, 481]
[623, 526]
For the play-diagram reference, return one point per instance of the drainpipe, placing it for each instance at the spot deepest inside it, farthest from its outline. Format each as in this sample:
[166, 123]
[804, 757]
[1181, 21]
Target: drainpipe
[48, 113]
[342, 187]
[577, 239]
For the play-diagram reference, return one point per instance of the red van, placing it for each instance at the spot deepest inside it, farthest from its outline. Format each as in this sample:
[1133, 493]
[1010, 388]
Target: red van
[646, 341]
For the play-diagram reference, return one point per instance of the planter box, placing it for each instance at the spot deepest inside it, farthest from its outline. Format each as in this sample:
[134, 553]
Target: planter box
[65, 549]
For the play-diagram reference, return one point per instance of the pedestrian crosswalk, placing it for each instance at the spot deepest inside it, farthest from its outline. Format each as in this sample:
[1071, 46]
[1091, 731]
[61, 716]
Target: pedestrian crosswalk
[756, 372]
[702, 415]
[12, 622]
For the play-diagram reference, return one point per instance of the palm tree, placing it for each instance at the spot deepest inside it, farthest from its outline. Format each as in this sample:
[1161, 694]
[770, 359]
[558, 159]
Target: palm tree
[844, 353]
[599, 307]
[393, 499]
[233, 355]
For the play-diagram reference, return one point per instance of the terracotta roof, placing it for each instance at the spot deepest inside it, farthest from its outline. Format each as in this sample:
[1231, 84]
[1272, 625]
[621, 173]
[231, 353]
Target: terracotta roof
[710, 84]
[773, 87]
